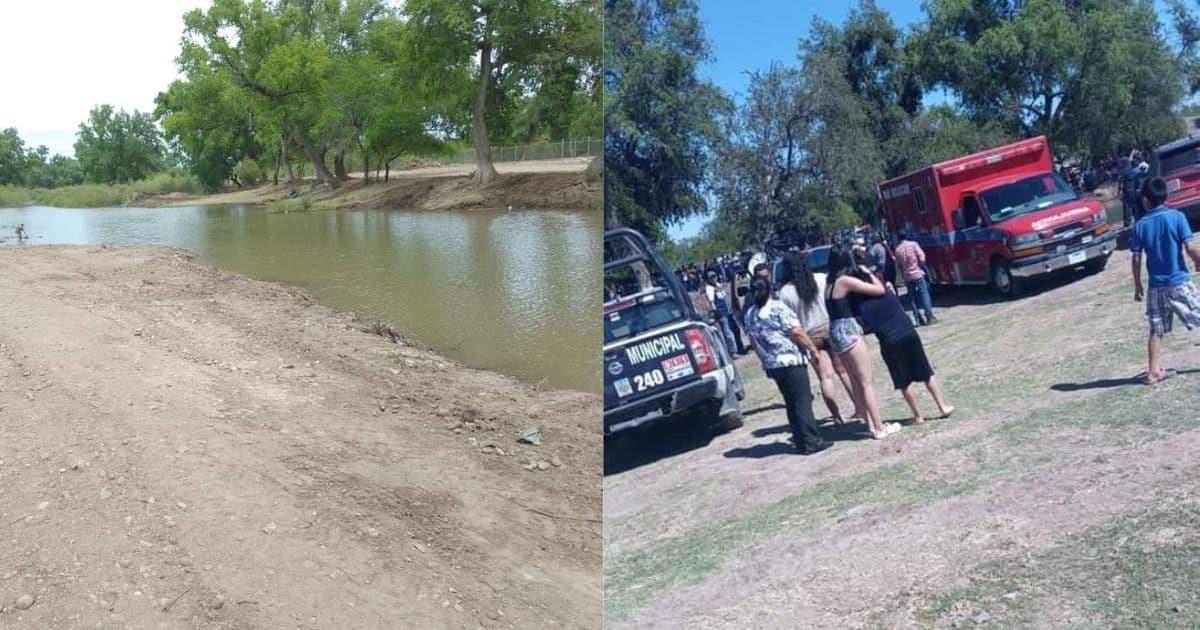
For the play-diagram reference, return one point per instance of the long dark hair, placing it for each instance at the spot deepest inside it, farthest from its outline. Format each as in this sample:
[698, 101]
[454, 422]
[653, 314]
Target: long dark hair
[760, 291]
[841, 263]
[801, 276]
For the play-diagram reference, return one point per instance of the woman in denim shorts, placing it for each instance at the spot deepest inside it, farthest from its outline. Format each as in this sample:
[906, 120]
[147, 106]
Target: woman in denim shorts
[846, 336]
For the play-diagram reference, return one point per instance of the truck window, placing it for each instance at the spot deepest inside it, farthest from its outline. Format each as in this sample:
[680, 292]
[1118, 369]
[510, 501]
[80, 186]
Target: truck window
[971, 212]
[1026, 195]
[637, 299]
[919, 195]
[1168, 162]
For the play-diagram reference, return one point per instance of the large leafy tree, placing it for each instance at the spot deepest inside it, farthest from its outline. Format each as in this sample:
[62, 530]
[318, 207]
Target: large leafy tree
[1094, 75]
[498, 43]
[118, 146]
[660, 118]
[12, 158]
[211, 119]
[799, 152]
[274, 53]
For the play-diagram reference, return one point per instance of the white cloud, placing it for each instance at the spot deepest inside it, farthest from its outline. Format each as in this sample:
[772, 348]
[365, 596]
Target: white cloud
[61, 58]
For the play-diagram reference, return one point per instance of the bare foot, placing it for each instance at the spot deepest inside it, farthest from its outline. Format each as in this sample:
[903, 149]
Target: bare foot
[947, 411]
[918, 420]
[1158, 377]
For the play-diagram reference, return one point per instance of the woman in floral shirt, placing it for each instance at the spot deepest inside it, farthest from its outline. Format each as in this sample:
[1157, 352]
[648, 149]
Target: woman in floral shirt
[785, 350]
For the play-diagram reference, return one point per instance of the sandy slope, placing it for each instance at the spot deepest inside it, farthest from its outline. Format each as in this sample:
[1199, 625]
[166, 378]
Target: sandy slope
[183, 447]
[543, 184]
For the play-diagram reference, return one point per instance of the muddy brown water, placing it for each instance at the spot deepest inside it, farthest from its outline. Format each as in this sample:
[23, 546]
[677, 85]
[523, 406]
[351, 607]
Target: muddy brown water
[510, 291]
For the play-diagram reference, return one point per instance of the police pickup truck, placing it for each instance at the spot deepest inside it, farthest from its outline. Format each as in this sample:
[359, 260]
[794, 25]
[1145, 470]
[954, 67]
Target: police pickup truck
[661, 359]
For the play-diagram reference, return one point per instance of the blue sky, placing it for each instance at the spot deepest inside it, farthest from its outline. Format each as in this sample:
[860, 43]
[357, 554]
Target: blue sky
[751, 34]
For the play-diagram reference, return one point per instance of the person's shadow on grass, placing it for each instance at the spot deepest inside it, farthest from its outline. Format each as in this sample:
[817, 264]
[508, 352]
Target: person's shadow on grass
[1109, 383]
[849, 432]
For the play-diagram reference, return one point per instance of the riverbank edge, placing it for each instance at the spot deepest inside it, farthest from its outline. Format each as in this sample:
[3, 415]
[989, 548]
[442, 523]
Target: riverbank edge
[525, 191]
[236, 347]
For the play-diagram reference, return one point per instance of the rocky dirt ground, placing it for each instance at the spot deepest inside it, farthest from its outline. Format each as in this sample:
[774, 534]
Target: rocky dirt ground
[183, 447]
[540, 184]
[1063, 493]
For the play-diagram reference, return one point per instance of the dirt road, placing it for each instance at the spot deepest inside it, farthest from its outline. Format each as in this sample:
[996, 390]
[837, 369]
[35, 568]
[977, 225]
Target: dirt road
[183, 447]
[1063, 493]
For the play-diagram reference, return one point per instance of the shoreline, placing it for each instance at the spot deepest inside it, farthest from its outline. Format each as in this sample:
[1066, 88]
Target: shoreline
[276, 436]
[551, 185]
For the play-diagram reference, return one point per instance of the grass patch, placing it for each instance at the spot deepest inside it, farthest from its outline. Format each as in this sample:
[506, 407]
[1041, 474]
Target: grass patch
[1141, 569]
[286, 206]
[1016, 447]
[98, 195]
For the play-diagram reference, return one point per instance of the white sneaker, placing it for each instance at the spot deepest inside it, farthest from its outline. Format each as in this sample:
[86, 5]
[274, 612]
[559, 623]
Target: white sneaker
[889, 428]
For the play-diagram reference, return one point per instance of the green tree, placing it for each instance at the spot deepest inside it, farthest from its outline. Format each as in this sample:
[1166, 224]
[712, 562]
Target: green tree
[798, 151]
[1093, 75]
[12, 158]
[211, 120]
[496, 42]
[660, 119]
[116, 146]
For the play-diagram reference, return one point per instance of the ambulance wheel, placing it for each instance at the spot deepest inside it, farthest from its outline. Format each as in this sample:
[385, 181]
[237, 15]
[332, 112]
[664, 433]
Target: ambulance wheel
[1003, 280]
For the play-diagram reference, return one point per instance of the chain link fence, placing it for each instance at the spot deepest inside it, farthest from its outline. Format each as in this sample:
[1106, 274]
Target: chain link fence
[580, 147]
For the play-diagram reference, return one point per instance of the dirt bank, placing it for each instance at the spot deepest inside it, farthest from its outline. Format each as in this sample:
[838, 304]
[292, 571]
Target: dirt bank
[1061, 494]
[184, 447]
[549, 184]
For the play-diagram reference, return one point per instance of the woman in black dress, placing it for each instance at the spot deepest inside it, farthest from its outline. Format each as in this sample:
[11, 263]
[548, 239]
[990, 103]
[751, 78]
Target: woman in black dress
[901, 347]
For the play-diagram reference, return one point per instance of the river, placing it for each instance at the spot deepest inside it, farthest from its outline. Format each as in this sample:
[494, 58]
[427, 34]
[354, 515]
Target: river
[513, 292]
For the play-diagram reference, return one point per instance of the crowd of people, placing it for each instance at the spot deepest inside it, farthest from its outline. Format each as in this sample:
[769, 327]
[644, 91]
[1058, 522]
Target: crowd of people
[801, 320]
[800, 323]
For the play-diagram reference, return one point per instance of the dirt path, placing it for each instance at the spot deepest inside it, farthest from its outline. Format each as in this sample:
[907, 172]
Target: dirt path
[542, 184]
[997, 515]
[184, 447]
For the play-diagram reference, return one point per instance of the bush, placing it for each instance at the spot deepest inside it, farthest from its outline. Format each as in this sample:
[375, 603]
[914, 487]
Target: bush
[12, 197]
[247, 172]
[99, 195]
[284, 206]
[171, 181]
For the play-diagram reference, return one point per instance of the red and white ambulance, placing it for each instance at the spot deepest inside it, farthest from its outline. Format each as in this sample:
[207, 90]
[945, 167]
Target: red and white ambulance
[998, 217]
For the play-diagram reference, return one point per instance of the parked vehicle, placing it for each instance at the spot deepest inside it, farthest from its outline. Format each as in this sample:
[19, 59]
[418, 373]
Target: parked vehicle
[662, 360]
[1178, 162]
[998, 217]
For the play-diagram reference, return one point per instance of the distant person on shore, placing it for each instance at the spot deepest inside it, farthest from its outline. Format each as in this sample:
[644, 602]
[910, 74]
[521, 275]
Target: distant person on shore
[1162, 236]
[803, 293]
[718, 304]
[910, 261]
[846, 335]
[781, 344]
[902, 349]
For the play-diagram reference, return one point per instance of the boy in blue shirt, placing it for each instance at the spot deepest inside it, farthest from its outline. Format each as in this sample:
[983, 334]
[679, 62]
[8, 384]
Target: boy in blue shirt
[1162, 235]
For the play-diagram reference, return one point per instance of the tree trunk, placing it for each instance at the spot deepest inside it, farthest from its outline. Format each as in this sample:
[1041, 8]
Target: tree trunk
[275, 176]
[287, 161]
[387, 170]
[317, 159]
[339, 166]
[594, 170]
[484, 170]
[366, 169]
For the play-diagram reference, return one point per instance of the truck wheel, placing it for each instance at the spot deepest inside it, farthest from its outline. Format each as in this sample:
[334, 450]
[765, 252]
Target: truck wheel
[1003, 280]
[1096, 265]
[730, 421]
